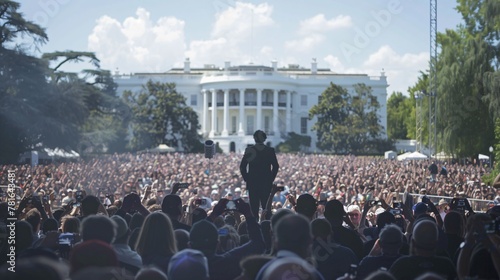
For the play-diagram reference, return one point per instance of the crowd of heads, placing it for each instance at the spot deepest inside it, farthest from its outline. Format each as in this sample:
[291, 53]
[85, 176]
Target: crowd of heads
[150, 216]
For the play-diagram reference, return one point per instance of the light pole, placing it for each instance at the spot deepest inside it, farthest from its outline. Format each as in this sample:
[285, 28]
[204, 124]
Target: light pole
[491, 157]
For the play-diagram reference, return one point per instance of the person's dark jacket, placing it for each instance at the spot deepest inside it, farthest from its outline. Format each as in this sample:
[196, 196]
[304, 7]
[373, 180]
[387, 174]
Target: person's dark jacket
[348, 238]
[227, 265]
[259, 159]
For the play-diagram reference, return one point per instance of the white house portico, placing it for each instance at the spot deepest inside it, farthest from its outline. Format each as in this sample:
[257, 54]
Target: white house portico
[233, 102]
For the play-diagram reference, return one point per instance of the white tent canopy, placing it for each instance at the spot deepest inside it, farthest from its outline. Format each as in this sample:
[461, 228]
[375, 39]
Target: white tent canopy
[162, 148]
[412, 156]
[480, 156]
[390, 155]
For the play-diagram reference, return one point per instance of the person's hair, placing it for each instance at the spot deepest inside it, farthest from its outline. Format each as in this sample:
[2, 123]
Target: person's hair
[293, 233]
[306, 205]
[321, 228]
[49, 225]
[380, 275]
[70, 224]
[150, 273]
[204, 237]
[98, 227]
[334, 211]
[34, 268]
[24, 236]
[182, 239]
[259, 136]
[134, 236]
[282, 212]
[90, 205]
[229, 241]
[156, 236]
[151, 202]
[172, 205]
[242, 227]
[33, 218]
[454, 223]
[198, 215]
[136, 221]
[385, 218]
[425, 236]
[218, 222]
[251, 265]
[112, 210]
[391, 238]
[289, 268]
[91, 254]
[154, 208]
[230, 220]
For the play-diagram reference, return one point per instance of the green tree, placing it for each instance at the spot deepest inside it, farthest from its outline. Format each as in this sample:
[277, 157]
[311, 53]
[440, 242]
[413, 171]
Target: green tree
[294, 143]
[105, 127]
[32, 112]
[464, 119]
[347, 123]
[13, 25]
[397, 114]
[160, 116]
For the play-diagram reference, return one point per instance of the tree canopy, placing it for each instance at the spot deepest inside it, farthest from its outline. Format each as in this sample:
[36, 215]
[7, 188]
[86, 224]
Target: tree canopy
[348, 122]
[160, 116]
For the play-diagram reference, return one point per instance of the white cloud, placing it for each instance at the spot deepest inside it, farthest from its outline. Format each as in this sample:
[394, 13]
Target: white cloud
[402, 70]
[230, 39]
[138, 44]
[305, 44]
[319, 24]
[236, 23]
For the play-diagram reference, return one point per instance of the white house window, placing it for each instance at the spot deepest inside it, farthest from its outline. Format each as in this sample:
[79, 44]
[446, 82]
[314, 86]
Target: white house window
[303, 125]
[303, 100]
[194, 100]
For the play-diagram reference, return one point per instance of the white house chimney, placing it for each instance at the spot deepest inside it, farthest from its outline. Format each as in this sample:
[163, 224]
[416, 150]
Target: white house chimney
[314, 66]
[275, 65]
[187, 65]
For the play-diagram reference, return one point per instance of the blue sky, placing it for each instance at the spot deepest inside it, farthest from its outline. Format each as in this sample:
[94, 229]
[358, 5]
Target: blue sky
[347, 36]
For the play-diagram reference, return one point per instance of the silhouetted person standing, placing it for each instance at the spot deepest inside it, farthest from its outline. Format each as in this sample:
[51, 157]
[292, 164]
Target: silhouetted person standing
[259, 168]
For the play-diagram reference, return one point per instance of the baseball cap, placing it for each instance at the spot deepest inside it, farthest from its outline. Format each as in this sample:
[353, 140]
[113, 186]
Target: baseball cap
[188, 264]
[419, 208]
[237, 190]
[215, 192]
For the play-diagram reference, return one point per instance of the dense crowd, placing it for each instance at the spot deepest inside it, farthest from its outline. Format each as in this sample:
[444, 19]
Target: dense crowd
[183, 216]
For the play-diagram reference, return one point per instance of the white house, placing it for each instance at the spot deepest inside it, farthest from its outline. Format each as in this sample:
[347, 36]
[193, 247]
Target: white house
[234, 101]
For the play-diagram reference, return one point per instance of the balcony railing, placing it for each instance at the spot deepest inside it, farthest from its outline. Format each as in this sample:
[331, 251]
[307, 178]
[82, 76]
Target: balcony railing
[250, 103]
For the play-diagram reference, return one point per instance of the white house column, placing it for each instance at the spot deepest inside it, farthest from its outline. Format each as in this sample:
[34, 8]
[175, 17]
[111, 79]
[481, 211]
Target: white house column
[226, 112]
[214, 112]
[275, 113]
[288, 111]
[205, 112]
[241, 131]
[259, 109]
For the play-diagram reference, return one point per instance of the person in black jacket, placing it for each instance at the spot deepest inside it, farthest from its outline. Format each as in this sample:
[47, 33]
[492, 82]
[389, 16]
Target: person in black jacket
[259, 168]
